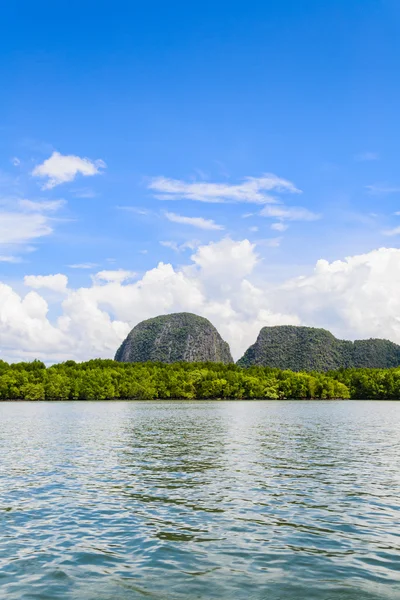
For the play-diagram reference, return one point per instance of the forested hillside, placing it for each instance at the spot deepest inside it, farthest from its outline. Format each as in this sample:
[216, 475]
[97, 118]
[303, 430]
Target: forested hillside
[173, 338]
[311, 349]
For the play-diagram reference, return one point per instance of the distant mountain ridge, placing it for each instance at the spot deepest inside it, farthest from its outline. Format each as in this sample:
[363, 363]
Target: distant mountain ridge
[311, 349]
[173, 338]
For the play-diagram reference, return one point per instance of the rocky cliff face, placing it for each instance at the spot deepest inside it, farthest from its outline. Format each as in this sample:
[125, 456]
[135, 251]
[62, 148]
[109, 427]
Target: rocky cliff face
[172, 338]
[309, 349]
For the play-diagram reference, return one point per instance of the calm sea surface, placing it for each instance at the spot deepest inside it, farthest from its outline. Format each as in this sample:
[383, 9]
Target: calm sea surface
[188, 500]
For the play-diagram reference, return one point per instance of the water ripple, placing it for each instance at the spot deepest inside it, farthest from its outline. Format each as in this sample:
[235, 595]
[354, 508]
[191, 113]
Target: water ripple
[178, 500]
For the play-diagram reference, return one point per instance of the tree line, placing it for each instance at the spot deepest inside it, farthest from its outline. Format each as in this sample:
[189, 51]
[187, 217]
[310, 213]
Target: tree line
[107, 379]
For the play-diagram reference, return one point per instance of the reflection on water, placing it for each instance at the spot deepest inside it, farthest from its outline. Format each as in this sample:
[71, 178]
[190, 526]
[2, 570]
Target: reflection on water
[181, 500]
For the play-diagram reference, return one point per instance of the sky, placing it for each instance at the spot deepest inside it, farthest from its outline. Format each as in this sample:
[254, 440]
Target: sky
[236, 160]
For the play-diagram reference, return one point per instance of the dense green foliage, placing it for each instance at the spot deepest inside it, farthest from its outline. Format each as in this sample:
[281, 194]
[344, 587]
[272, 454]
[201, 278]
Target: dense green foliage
[311, 349]
[102, 379]
[174, 338]
[374, 384]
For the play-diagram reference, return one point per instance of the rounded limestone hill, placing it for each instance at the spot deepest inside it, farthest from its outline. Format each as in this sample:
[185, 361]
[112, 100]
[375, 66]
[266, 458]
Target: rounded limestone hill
[173, 338]
[311, 349]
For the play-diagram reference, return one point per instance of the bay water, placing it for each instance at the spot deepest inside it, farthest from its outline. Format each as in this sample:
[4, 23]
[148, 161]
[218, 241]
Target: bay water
[200, 500]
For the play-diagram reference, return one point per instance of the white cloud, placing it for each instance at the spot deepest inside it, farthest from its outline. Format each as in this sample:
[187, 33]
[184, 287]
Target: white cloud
[252, 189]
[254, 228]
[215, 284]
[356, 298]
[293, 213]
[56, 283]
[63, 168]
[24, 221]
[16, 161]
[198, 222]
[214, 258]
[10, 259]
[25, 330]
[117, 276]
[20, 228]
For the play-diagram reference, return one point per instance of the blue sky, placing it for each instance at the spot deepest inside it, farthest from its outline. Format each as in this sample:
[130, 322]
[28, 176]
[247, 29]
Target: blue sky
[272, 122]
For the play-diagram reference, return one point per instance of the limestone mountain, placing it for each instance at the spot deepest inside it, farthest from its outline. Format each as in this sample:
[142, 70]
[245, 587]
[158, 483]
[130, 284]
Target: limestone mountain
[311, 349]
[172, 338]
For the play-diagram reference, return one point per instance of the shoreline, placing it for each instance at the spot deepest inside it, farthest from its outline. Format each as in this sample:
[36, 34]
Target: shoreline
[83, 401]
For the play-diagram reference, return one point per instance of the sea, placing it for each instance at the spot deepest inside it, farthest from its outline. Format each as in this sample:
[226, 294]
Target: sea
[185, 500]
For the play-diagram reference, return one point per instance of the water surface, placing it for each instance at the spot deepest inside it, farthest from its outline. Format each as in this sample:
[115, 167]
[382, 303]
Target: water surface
[200, 500]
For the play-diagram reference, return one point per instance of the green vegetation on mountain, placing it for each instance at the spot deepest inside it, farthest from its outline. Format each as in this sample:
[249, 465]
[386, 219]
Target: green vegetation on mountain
[174, 338]
[311, 349]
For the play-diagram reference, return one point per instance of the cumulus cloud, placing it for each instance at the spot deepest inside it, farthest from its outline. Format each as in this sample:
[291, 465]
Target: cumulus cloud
[252, 189]
[61, 168]
[223, 281]
[356, 297]
[214, 258]
[198, 222]
[95, 319]
[25, 329]
[56, 283]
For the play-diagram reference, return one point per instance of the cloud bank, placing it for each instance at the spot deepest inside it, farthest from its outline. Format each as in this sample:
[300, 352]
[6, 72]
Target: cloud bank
[355, 297]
